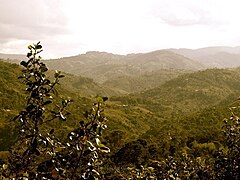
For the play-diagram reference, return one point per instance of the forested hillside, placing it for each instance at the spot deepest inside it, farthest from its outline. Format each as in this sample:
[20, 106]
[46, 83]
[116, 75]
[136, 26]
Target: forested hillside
[102, 66]
[167, 108]
[190, 107]
[168, 113]
[150, 80]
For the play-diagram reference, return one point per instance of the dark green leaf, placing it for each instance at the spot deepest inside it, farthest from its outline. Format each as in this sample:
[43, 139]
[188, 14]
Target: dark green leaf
[16, 117]
[34, 143]
[37, 152]
[105, 99]
[47, 102]
[29, 54]
[30, 107]
[43, 68]
[28, 136]
[38, 46]
[81, 133]
[24, 63]
[51, 132]
[81, 123]
[86, 152]
[61, 76]
[25, 152]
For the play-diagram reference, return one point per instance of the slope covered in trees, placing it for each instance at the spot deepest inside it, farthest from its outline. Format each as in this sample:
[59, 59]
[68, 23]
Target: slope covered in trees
[165, 108]
[179, 124]
[133, 84]
[102, 66]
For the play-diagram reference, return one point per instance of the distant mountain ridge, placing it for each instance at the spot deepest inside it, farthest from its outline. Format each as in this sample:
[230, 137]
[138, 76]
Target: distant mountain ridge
[220, 57]
[105, 67]
[102, 66]
[13, 56]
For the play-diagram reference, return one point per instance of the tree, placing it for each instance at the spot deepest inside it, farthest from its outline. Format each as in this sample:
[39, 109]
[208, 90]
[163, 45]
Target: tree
[38, 152]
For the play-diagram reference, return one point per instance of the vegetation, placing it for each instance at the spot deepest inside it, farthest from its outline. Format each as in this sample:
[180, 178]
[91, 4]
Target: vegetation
[173, 131]
[102, 66]
[38, 153]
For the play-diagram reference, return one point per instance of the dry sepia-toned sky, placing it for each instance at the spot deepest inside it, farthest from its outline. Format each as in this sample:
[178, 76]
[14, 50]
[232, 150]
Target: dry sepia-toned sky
[71, 27]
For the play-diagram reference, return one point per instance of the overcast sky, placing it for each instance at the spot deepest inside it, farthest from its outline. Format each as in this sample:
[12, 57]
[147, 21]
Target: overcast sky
[71, 27]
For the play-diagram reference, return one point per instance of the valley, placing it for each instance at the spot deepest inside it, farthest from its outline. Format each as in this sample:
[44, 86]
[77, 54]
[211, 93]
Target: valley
[172, 102]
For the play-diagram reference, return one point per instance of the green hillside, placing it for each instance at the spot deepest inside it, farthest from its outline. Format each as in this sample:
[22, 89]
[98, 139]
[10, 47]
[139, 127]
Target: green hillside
[133, 84]
[188, 108]
[81, 90]
[195, 91]
[190, 92]
[179, 112]
[101, 66]
[11, 94]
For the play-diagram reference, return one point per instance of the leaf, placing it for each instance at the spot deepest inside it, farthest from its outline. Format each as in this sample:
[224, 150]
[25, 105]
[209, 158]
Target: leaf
[51, 132]
[20, 77]
[5, 166]
[34, 143]
[86, 152]
[81, 123]
[98, 141]
[30, 107]
[55, 92]
[38, 46]
[24, 63]
[30, 47]
[25, 152]
[56, 74]
[37, 152]
[29, 54]
[43, 68]
[104, 99]
[99, 99]
[78, 147]
[81, 133]
[47, 81]
[28, 136]
[61, 76]
[62, 117]
[16, 117]
[103, 148]
[46, 103]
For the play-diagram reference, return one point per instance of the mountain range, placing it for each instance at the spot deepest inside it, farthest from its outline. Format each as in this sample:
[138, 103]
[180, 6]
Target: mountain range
[211, 57]
[219, 56]
[137, 72]
[103, 66]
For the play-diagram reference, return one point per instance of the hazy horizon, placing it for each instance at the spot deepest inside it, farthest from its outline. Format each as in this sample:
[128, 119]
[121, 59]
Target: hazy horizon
[90, 51]
[72, 27]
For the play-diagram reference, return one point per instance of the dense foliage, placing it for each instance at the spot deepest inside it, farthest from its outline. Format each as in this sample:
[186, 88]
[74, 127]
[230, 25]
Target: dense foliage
[175, 131]
[38, 153]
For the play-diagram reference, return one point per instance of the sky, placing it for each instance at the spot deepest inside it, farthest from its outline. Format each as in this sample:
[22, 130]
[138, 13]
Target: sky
[72, 27]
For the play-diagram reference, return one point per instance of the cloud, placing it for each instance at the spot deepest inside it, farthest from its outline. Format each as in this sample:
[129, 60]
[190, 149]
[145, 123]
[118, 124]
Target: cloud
[31, 20]
[122, 26]
[188, 13]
